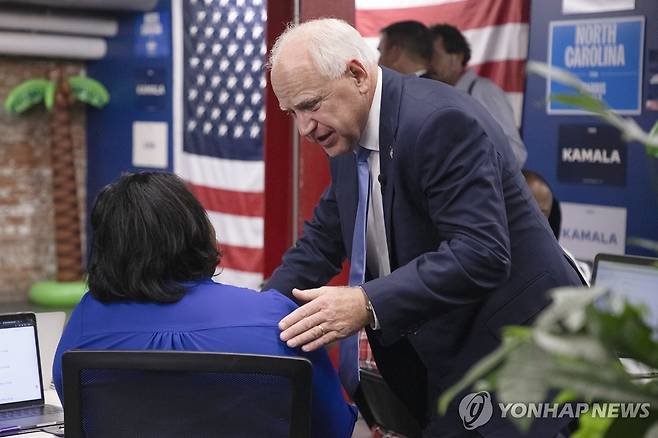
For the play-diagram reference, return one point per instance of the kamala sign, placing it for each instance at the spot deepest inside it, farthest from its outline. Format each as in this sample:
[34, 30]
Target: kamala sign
[591, 154]
[590, 229]
[606, 54]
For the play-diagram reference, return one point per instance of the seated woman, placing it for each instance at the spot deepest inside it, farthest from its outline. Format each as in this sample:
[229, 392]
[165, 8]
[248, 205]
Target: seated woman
[153, 253]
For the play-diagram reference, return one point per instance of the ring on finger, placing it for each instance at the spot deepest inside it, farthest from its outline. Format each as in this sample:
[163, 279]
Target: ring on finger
[322, 331]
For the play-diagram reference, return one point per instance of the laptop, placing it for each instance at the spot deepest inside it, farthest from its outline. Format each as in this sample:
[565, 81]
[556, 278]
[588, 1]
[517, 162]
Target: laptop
[636, 279]
[22, 404]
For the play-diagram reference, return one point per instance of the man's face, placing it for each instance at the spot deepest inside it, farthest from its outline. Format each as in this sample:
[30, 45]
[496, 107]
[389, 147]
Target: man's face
[331, 113]
[446, 67]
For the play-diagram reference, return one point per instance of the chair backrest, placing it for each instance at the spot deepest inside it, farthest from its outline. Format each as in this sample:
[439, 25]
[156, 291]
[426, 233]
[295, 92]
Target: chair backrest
[191, 394]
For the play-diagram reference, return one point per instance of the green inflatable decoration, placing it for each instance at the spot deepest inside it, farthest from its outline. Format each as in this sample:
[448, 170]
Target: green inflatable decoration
[57, 293]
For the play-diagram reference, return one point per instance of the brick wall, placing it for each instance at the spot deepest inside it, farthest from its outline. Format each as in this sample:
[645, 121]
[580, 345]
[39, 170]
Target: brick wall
[27, 252]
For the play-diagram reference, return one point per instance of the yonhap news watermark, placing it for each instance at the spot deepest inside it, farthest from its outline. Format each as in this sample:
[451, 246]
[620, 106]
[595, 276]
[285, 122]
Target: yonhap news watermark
[476, 409]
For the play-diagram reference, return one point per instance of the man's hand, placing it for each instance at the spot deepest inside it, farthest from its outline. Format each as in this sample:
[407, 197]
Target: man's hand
[330, 313]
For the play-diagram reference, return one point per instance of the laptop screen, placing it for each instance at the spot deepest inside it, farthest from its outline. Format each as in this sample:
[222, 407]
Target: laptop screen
[635, 278]
[19, 360]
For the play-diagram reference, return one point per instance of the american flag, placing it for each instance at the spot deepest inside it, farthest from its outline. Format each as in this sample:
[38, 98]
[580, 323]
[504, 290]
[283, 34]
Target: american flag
[497, 31]
[219, 114]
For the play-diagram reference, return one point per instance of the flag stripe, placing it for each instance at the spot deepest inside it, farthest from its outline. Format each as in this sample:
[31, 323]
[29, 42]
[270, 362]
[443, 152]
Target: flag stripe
[464, 15]
[392, 4]
[241, 258]
[236, 277]
[237, 230]
[509, 75]
[250, 204]
[220, 173]
[486, 43]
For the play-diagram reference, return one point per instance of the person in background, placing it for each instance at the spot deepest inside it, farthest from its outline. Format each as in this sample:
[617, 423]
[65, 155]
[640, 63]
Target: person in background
[449, 64]
[406, 47]
[153, 253]
[448, 247]
[546, 201]
[550, 207]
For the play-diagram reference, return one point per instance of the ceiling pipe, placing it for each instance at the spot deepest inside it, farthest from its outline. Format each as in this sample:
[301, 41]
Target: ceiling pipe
[52, 46]
[12, 19]
[115, 5]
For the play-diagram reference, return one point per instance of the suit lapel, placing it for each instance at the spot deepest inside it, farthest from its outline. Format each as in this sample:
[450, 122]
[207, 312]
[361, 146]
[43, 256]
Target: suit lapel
[390, 106]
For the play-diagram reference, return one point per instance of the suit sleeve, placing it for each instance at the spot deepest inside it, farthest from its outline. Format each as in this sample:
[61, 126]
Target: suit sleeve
[317, 256]
[459, 172]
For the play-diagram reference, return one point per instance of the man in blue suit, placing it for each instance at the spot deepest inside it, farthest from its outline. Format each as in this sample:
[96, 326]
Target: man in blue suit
[456, 248]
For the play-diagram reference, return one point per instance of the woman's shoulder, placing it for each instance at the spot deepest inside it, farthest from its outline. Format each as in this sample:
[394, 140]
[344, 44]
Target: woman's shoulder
[238, 304]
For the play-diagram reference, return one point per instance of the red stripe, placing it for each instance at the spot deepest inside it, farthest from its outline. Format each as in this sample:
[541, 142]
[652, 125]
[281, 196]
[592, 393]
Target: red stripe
[469, 14]
[509, 75]
[240, 258]
[228, 201]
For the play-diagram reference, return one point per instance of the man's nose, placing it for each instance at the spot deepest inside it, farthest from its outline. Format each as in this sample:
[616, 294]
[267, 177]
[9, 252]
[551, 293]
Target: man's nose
[305, 123]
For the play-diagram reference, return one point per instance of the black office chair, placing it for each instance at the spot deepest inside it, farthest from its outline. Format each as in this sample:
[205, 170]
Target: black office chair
[185, 394]
[385, 408]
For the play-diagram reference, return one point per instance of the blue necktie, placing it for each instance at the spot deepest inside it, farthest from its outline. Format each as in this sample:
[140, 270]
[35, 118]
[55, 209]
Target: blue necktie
[348, 368]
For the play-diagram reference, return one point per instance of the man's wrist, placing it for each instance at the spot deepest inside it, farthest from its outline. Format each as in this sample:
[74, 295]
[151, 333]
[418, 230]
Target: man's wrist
[372, 317]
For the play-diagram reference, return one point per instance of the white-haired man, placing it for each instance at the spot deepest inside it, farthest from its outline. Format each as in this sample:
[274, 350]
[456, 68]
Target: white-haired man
[453, 248]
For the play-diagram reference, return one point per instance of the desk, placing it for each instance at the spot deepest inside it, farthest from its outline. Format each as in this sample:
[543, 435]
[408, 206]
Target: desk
[34, 435]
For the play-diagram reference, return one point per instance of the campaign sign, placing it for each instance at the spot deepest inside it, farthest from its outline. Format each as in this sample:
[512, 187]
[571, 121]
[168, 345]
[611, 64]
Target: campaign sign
[590, 229]
[606, 54]
[151, 88]
[152, 35]
[591, 154]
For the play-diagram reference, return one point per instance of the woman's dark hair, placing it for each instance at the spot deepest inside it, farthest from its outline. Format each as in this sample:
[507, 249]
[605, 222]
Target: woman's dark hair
[150, 234]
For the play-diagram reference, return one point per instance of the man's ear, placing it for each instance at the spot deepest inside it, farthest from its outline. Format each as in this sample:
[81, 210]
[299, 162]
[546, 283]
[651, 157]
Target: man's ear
[359, 73]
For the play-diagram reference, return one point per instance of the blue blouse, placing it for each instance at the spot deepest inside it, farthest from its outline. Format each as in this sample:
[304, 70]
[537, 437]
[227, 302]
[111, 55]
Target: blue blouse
[210, 317]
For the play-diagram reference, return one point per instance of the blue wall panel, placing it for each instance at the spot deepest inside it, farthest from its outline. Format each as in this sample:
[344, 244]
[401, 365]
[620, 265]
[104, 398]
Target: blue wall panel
[109, 130]
[540, 130]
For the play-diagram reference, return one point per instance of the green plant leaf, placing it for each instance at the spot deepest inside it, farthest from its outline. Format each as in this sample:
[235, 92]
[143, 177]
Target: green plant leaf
[653, 150]
[25, 95]
[566, 395]
[629, 128]
[640, 242]
[625, 332]
[513, 338]
[89, 90]
[578, 346]
[567, 311]
[653, 431]
[597, 381]
[585, 101]
[590, 427]
[49, 95]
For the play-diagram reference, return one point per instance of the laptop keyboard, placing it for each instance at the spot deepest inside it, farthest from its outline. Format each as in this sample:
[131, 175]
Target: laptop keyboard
[29, 412]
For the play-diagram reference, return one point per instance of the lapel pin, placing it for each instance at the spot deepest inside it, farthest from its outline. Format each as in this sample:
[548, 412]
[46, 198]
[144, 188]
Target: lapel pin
[390, 152]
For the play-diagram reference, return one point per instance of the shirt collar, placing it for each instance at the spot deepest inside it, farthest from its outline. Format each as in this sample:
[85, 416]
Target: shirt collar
[466, 78]
[370, 137]
[420, 72]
